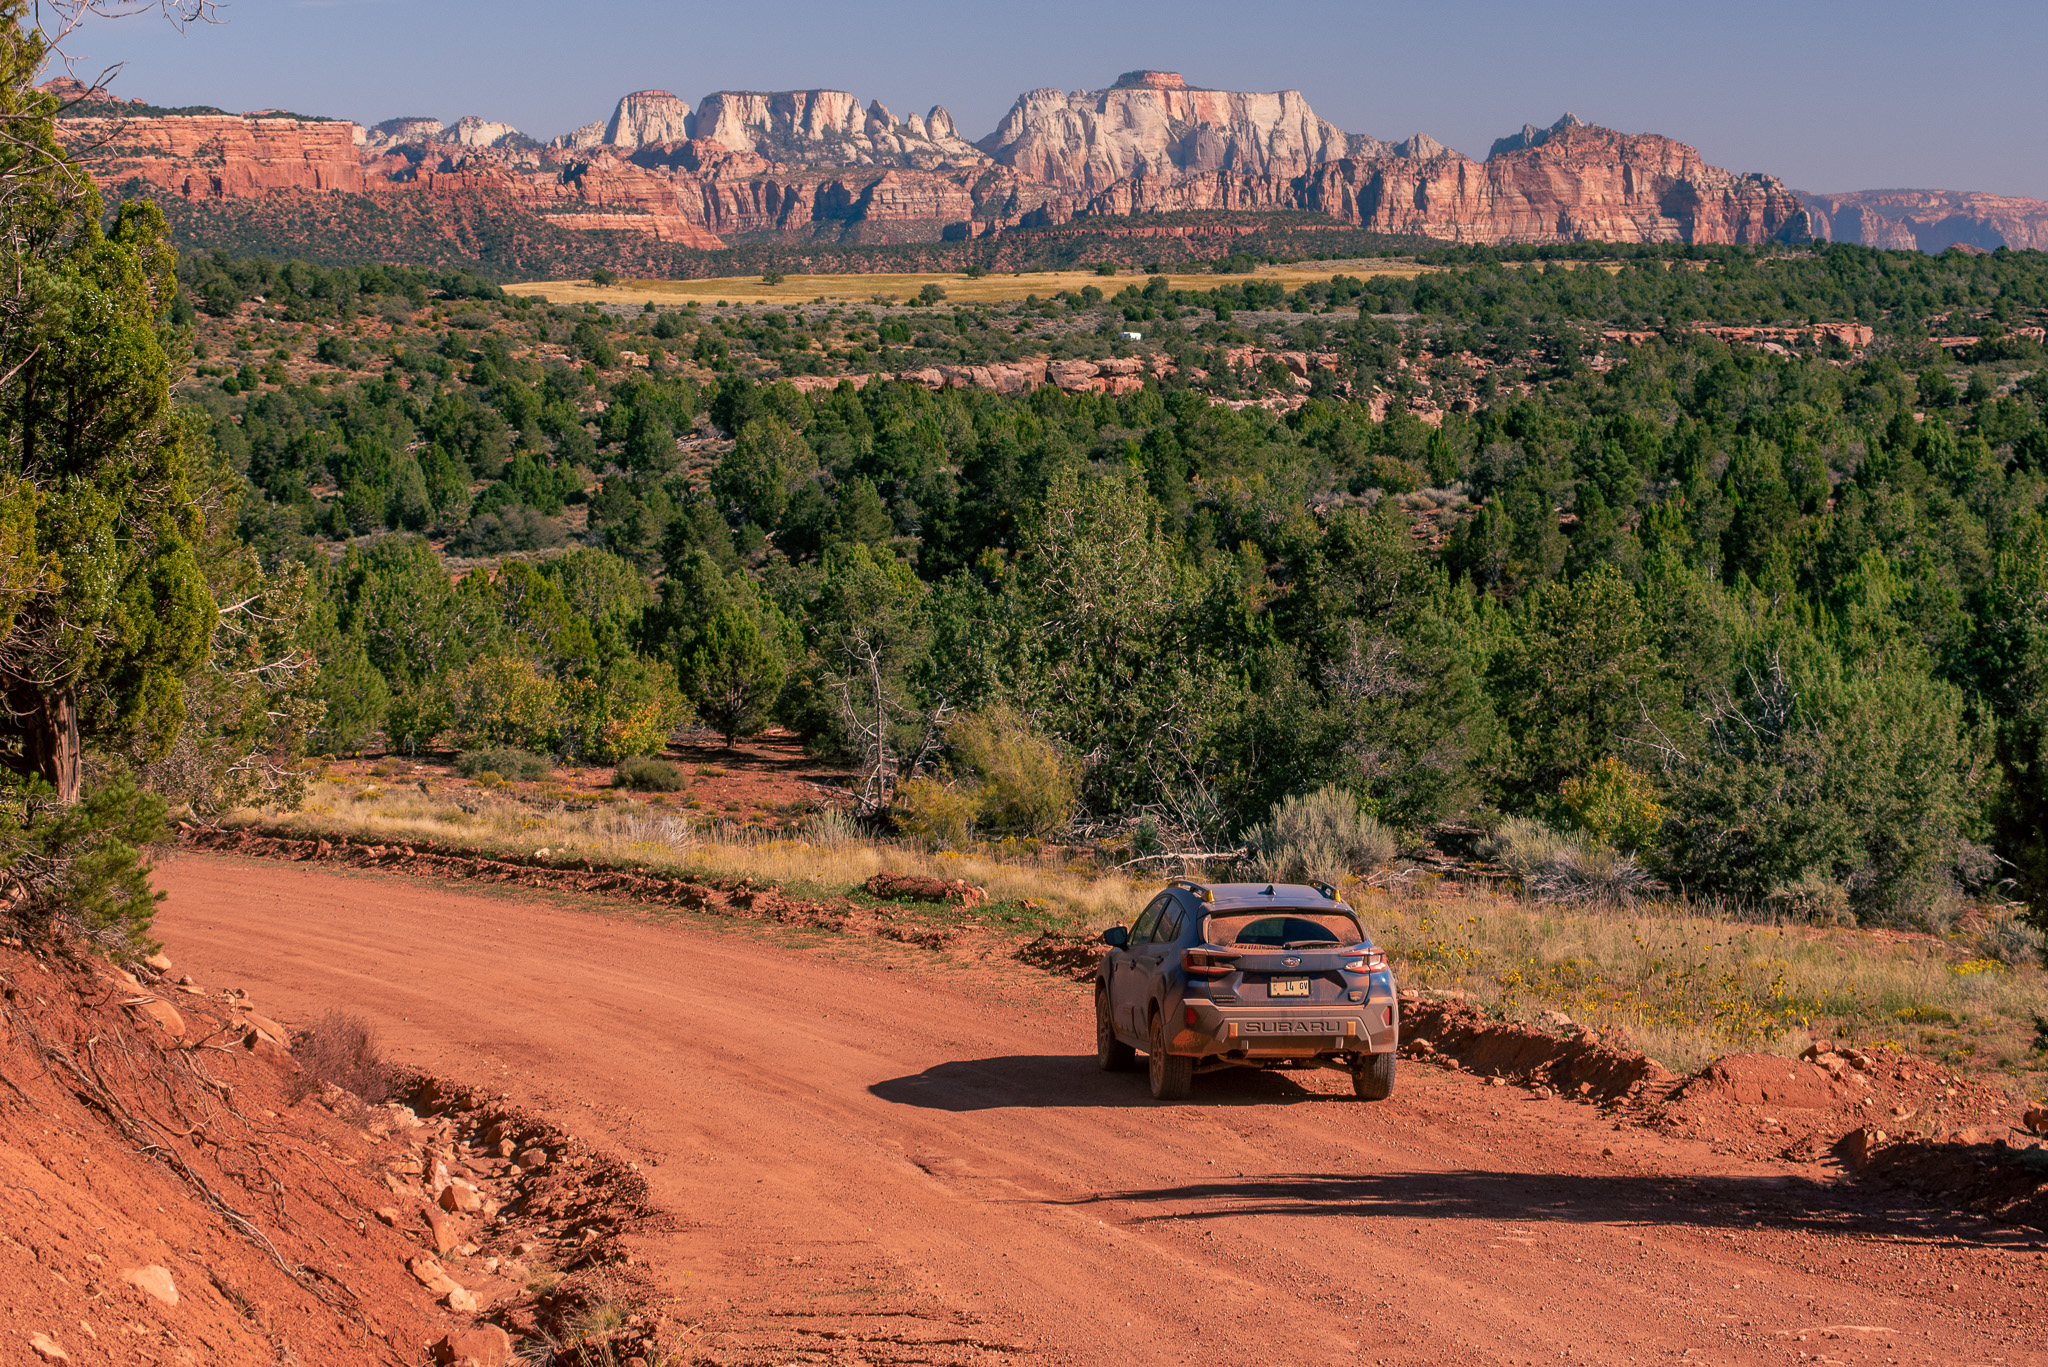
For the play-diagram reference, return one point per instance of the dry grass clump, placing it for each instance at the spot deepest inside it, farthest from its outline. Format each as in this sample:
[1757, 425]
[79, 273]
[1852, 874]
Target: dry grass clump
[828, 856]
[341, 1051]
[1566, 866]
[1320, 836]
[1686, 986]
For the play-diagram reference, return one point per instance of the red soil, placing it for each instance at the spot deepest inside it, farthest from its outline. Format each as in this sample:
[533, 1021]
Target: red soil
[873, 1153]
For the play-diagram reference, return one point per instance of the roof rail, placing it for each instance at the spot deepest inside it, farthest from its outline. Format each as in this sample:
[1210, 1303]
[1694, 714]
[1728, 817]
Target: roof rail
[1326, 890]
[1196, 888]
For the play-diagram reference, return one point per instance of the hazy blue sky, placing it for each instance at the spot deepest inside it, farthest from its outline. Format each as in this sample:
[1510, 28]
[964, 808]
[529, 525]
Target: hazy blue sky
[1830, 96]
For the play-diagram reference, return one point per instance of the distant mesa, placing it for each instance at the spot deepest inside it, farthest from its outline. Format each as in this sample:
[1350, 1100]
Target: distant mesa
[1930, 220]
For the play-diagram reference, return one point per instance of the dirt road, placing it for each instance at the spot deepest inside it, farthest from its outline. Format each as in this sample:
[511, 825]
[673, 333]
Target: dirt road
[873, 1158]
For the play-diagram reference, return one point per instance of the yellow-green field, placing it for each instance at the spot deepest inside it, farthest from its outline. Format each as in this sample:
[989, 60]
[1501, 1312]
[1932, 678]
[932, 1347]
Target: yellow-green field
[960, 289]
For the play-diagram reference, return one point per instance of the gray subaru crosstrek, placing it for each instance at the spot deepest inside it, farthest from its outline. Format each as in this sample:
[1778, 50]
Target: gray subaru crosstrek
[1246, 975]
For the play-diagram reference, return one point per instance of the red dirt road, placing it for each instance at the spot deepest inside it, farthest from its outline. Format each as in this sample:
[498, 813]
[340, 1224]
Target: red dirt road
[874, 1158]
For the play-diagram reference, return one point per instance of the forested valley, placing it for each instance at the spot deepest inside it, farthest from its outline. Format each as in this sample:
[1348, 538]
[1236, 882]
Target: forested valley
[1520, 553]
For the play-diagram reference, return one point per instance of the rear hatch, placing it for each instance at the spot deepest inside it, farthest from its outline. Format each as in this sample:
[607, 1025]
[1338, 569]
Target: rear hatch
[1284, 956]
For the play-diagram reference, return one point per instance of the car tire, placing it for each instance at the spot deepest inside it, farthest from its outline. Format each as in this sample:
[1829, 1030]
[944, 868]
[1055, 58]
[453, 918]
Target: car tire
[1373, 1077]
[1172, 1075]
[1112, 1055]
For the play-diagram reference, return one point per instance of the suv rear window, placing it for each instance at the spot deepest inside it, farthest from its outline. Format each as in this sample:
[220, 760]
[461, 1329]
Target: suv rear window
[1296, 926]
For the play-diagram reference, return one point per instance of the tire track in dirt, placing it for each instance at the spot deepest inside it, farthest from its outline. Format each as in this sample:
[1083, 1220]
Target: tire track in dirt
[876, 1157]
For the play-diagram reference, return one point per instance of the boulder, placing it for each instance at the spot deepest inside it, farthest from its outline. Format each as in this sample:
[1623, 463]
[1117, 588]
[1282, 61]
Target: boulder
[447, 1233]
[268, 1027]
[152, 1281]
[270, 1051]
[163, 1013]
[532, 1158]
[1072, 376]
[460, 1301]
[486, 1345]
[1858, 1147]
[2036, 1120]
[429, 1273]
[460, 1196]
[159, 961]
[47, 1348]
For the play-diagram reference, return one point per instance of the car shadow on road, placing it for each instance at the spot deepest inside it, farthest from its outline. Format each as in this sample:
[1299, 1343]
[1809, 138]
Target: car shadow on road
[1029, 1080]
[1771, 1201]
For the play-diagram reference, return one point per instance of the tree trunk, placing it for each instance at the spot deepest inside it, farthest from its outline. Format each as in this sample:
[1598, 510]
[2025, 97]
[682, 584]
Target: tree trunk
[48, 726]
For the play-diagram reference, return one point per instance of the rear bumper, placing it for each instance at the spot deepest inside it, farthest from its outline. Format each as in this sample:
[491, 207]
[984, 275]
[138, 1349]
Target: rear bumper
[1265, 1031]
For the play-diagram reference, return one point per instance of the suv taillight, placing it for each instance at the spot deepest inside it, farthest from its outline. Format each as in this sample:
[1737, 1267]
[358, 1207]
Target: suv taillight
[1371, 961]
[1207, 963]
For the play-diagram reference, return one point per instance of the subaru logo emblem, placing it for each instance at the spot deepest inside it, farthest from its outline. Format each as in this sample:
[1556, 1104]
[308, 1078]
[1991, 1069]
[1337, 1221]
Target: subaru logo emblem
[1291, 963]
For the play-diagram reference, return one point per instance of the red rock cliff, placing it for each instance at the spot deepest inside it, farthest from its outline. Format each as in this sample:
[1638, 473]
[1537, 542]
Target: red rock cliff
[224, 156]
[1580, 184]
[816, 164]
[1930, 220]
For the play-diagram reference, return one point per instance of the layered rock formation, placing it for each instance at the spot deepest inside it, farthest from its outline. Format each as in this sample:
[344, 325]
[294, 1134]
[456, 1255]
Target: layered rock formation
[468, 131]
[790, 127]
[819, 165]
[1572, 182]
[221, 156]
[1930, 220]
[1151, 125]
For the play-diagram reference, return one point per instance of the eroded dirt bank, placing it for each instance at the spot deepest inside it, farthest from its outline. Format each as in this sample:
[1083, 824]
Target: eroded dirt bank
[868, 1158]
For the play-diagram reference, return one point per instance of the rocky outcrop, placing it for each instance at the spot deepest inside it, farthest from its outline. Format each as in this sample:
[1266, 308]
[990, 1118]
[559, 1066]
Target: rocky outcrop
[472, 131]
[1930, 220]
[1152, 125]
[400, 132]
[1577, 183]
[830, 128]
[648, 117]
[1532, 136]
[221, 156]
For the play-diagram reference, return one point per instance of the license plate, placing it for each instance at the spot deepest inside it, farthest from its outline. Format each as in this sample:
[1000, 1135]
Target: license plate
[1287, 987]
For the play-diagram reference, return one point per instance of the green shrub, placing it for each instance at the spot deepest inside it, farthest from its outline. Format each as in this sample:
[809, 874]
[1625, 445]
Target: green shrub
[1614, 804]
[507, 764]
[1022, 783]
[1812, 898]
[645, 774]
[1320, 835]
[934, 813]
[2010, 940]
[78, 866]
[504, 701]
[1565, 866]
[1864, 775]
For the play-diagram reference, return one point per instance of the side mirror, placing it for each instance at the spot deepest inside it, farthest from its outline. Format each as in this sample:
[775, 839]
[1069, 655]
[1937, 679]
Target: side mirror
[1116, 937]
